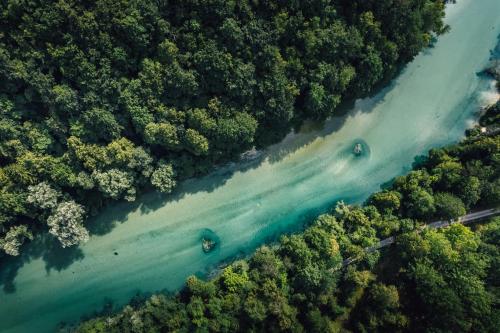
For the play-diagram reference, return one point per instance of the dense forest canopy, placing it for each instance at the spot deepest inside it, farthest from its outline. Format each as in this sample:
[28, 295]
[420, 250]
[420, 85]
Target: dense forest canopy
[444, 280]
[100, 99]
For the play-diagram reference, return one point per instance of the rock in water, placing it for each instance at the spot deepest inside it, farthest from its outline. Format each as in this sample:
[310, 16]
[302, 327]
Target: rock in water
[207, 245]
[358, 149]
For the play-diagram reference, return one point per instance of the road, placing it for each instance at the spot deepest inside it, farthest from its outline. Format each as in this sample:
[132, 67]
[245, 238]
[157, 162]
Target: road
[466, 219]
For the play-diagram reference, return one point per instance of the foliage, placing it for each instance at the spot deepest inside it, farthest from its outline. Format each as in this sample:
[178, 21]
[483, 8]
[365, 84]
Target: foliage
[449, 206]
[432, 280]
[115, 183]
[95, 94]
[66, 224]
[163, 178]
[42, 196]
[14, 238]
[387, 200]
[445, 281]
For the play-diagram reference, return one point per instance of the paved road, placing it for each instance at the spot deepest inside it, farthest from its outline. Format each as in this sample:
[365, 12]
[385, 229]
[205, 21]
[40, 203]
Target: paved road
[466, 219]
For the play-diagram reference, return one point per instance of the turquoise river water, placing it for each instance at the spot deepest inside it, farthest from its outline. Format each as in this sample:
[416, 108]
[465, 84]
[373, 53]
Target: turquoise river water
[156, 243]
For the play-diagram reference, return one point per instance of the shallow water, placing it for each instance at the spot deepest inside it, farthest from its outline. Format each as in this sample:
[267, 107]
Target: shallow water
[156, 243]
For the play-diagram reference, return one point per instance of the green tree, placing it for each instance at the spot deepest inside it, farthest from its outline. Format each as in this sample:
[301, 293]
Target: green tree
[196, 143]
[386, 200]
[115, 183]
[14, 238]
[320, 102]
[421, 204]
[237, 131]
[469, 190]
[163, 179]
[448, 206]
[163, 134]
[101, 124]
[381, 311]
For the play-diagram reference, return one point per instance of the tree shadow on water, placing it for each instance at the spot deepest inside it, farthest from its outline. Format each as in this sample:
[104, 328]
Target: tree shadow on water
[150, 201]
[59, 258]
[43, 247]
[312, 130]
[56, 258]
[304, 135]
[8, 271]
[110, 216]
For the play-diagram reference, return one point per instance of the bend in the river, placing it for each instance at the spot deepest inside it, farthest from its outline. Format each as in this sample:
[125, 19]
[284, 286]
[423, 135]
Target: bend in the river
[157, 243]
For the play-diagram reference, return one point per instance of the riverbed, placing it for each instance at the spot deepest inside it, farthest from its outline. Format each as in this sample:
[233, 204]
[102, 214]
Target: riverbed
[155, 243]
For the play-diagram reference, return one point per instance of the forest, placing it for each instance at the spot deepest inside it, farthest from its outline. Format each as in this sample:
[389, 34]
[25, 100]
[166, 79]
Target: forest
[430, 280]
[102, 100]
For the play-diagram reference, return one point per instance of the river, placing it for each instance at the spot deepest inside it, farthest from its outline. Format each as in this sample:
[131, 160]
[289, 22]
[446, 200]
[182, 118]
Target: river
[155, 242]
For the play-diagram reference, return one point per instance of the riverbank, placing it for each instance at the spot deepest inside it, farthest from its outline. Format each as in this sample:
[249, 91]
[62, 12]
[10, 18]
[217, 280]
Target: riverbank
[385, 202]
[158, 241]
[118, 115]
[297, 285]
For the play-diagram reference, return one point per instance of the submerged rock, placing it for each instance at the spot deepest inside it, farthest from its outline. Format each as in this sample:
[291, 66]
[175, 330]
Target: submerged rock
[358, 149]
[207, 244]
[210, 241]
